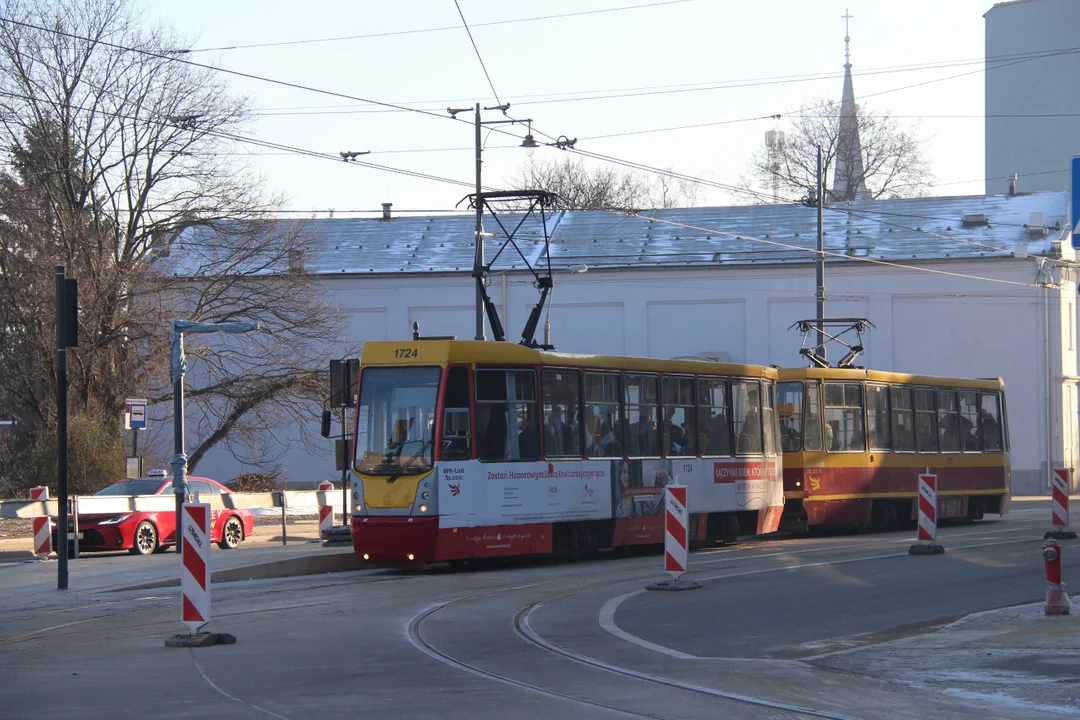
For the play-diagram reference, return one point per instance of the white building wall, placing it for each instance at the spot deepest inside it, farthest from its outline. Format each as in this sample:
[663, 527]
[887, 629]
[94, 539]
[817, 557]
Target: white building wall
[925, 323]
[1038, 148]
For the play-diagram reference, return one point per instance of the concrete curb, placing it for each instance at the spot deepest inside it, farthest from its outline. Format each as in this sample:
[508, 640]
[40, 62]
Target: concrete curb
[291, 567]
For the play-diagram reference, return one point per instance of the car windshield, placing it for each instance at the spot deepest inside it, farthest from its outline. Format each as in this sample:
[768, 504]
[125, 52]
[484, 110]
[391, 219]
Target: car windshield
[396, 418]
[133, 487]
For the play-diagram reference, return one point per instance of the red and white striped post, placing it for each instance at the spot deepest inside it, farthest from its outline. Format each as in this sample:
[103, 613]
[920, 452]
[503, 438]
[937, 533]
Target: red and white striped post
[927, 543]
[42, 525]
[1060, 485]
[194, 528]
[326, 512]
[676, 540]
[195, 577]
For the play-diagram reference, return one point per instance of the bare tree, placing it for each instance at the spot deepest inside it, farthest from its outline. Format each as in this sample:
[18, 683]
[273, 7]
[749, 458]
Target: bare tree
[585, 187]
[121, 168]
[892, 160]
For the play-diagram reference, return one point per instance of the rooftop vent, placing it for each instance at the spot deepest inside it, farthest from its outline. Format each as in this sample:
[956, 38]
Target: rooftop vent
[386, 210]
[1035, 224]
[975, 219]
[296, 261]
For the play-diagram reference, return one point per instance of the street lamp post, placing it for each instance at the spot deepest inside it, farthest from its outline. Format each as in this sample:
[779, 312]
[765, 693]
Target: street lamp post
[179, 369]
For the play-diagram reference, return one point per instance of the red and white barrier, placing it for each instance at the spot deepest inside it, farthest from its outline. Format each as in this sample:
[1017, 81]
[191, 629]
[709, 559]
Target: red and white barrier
[928, 505]
[195, 575]
[676, 531]
[1060, 486]
[42, 525]
[326, 512]
[676, 540]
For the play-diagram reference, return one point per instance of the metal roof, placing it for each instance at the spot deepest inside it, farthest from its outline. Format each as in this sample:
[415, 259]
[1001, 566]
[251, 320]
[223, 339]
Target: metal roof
[913, 229]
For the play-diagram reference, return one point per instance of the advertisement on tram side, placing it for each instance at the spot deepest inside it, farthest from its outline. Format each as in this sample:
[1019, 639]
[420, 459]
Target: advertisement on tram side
[473, 494]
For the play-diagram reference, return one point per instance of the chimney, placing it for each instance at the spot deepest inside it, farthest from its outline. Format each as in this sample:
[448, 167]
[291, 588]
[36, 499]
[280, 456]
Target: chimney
[386, 210]
[1012, 184]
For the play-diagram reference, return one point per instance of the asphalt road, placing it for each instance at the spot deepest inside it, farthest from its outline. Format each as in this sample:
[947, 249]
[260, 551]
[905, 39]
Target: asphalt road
[565, 640]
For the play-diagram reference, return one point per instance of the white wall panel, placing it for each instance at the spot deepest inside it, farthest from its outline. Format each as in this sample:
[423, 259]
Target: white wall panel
[459, 320]
[691, 328]
[588, 328]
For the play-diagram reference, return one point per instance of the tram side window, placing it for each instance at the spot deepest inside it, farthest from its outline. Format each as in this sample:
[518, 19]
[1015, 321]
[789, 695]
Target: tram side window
[812, 440]
[506, 424]
[679, 434]
[877, 417]
[925, 421]
[562, 405]
[746, 397]
[714, 422]
[768, 418]
[948, 421]
[789, 406]
[603, 415]
[844, 417]
[642, 408]
[969, 421]
[903, 419]
[990, 421]
[456, 440]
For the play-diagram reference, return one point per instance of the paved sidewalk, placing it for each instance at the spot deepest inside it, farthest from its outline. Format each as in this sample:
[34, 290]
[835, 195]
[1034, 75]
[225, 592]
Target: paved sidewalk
[1016, 657]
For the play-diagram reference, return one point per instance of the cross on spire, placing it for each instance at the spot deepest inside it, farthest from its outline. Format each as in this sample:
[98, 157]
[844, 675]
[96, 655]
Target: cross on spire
[847, 35]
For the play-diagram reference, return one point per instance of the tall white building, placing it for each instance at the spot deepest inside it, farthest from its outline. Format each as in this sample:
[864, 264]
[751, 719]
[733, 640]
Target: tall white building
[1032, 106]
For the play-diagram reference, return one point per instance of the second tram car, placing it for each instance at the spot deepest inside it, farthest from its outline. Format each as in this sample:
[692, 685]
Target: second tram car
[477, 449]
[855, 441]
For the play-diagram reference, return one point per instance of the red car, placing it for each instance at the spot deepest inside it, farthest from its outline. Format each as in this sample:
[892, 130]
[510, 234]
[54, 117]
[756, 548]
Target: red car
[143, 533]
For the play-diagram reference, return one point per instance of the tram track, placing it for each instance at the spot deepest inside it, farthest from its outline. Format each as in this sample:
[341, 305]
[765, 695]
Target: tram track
[415, 635]
[521, 627]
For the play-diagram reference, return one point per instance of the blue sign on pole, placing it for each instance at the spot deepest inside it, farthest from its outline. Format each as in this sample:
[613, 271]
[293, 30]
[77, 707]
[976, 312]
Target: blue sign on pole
[1074, 202]
[135, 414]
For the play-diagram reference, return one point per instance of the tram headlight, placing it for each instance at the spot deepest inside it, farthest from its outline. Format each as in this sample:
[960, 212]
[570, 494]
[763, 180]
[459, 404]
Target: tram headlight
[356, 495]
[423, 508]
[425, 495]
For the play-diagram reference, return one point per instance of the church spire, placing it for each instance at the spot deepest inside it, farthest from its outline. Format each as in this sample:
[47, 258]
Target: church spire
[848, 180]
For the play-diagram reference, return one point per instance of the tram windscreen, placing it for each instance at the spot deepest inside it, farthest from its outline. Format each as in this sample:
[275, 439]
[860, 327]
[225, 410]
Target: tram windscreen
[396, 420]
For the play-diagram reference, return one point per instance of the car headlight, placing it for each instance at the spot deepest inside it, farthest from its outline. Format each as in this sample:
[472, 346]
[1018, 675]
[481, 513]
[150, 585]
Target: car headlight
[115, 519]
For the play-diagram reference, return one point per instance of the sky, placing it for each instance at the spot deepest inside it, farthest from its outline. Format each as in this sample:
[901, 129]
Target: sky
[722, 66]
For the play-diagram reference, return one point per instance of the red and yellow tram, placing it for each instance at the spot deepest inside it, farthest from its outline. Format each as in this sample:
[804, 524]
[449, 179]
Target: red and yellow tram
[478, 449]
[855, 441]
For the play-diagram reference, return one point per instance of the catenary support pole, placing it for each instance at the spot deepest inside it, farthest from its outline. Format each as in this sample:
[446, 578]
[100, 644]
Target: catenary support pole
[479, 261]
[179, 455]
[345, 464]
[820, 258]
[61, 428]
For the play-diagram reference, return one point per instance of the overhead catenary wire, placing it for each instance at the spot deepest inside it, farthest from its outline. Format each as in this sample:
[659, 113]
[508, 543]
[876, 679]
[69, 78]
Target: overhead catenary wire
[437, 29]
[477, 50]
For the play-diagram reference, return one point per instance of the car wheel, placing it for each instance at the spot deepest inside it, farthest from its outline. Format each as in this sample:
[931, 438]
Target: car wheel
[232, 534]
[146, 539]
